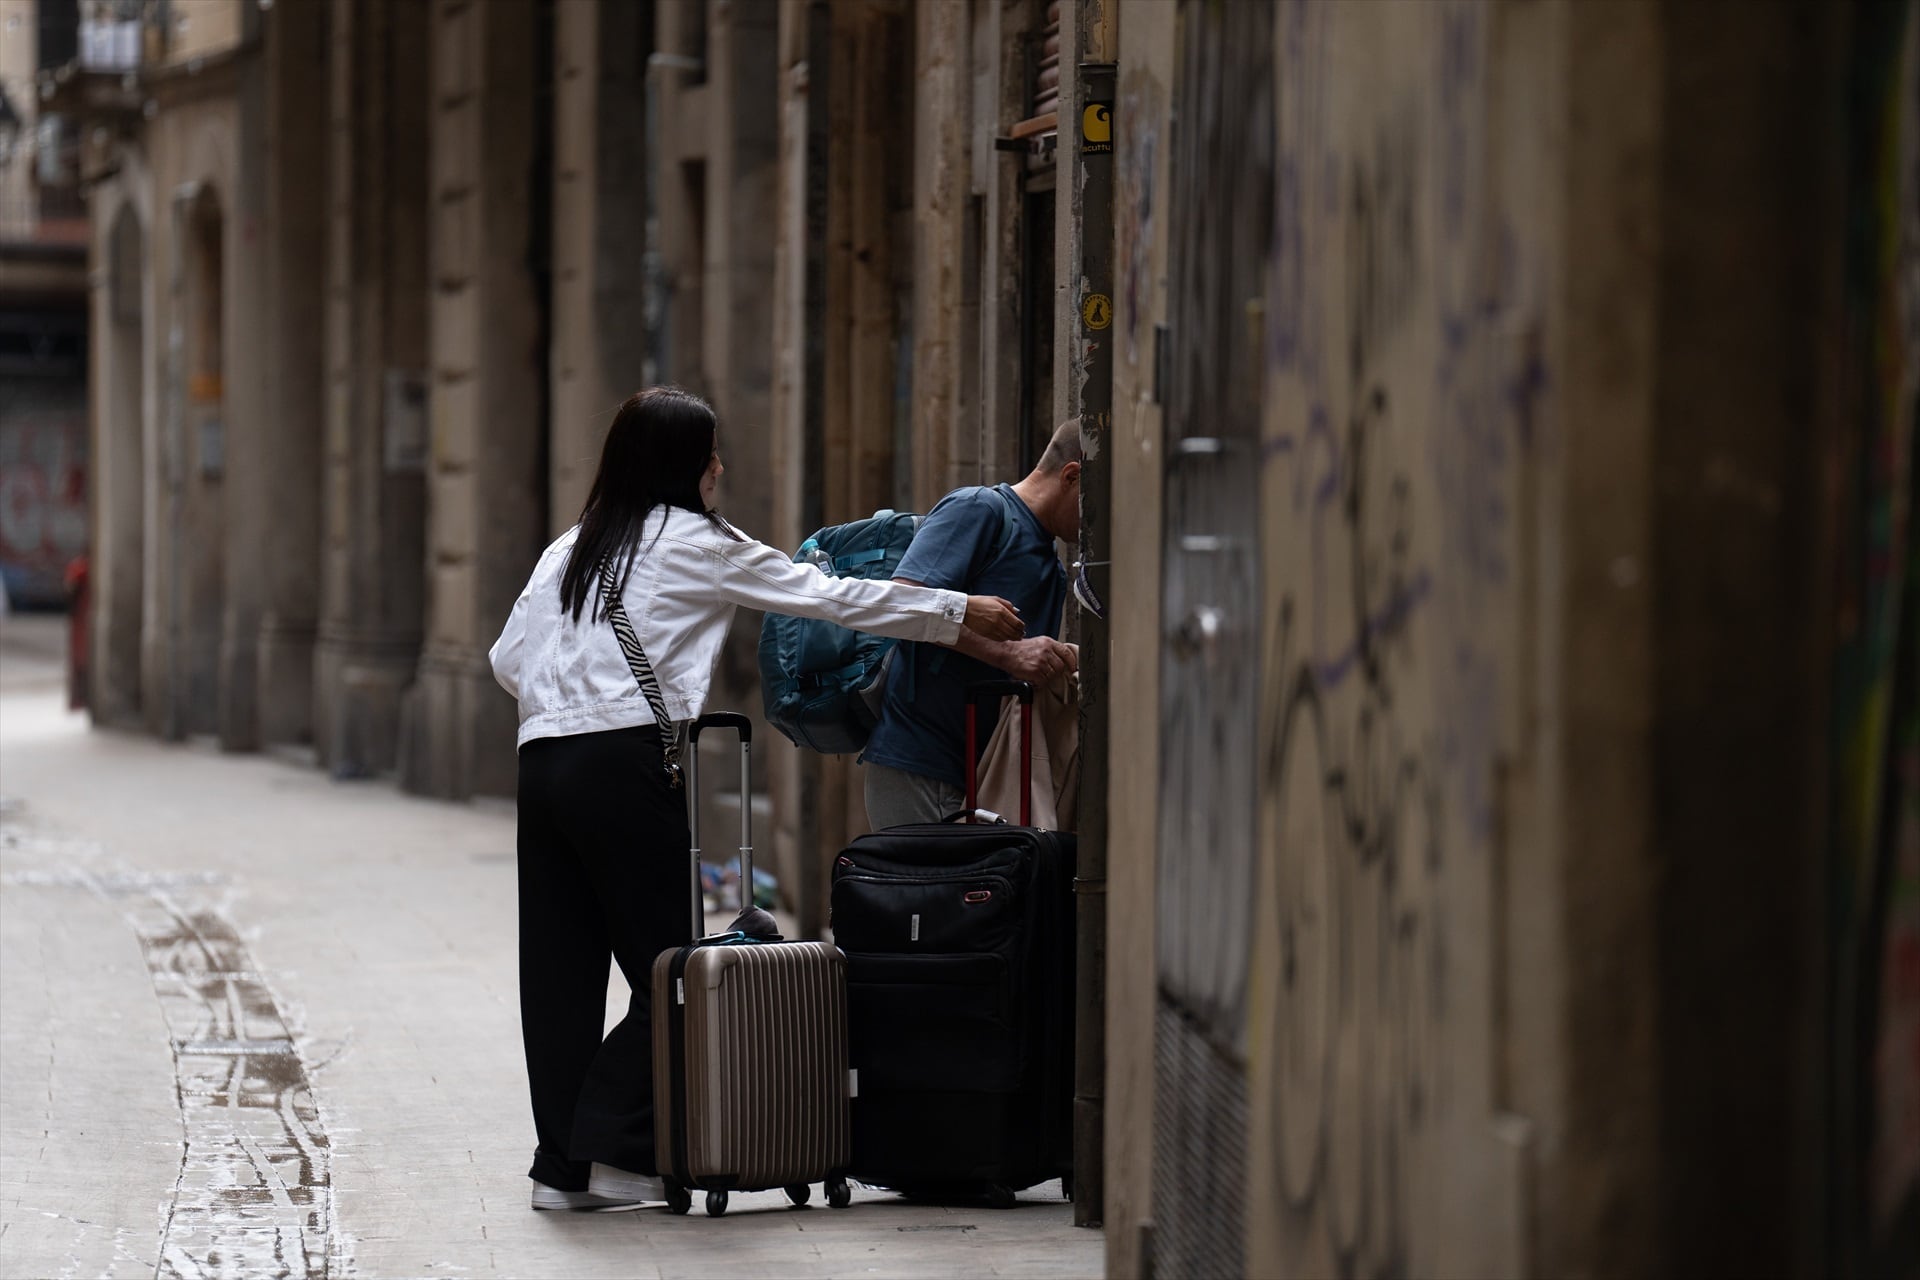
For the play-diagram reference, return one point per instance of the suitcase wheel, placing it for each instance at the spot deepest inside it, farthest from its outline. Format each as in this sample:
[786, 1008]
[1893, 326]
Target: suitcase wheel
[679, 1199]
[839, 1194]
[716, 1203]
[799, 1193]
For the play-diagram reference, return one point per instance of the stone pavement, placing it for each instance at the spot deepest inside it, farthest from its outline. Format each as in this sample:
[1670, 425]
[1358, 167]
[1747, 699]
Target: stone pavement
[256, 1022]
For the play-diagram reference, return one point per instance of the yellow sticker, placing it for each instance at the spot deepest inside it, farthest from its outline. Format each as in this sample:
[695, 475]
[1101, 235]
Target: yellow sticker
[1097, 311]
[1096, 123]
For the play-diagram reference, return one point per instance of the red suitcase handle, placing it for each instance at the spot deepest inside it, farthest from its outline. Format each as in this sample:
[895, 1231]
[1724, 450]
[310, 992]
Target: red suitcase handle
[978, 692]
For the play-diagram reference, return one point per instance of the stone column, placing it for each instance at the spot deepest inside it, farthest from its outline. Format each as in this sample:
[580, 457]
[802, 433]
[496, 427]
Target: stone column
[1001, 99]
[486, 491]
[156, 435]
[198, 313]
[878, 267]
[1148, 40]
[117, 459]
[251, 454]
[736, 336]
[599, 261]
[294, 421]
[677, 92]
[941, 169]
[373, 552]
[845, 209]
[798, 405]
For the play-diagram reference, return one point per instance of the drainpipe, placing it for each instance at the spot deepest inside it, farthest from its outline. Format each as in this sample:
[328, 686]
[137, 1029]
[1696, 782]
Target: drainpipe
[183, 197]
[1087, 139]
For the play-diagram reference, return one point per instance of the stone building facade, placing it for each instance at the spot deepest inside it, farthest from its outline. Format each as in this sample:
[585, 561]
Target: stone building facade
[371, 277]
[1504, 839]
[1513, 453]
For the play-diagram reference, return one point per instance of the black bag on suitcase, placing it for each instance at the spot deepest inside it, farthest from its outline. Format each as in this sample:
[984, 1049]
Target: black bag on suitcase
[960, 998]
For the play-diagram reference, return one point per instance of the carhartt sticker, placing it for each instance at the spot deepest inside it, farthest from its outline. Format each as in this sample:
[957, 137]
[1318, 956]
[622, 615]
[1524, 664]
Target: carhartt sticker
[1096, 128]
[1097, 311]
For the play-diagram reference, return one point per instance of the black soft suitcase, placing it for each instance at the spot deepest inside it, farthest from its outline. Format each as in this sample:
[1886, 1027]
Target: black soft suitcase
[960, 986]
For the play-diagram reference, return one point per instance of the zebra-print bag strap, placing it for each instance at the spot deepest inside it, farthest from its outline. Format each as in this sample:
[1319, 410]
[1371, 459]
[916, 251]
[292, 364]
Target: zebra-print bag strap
[642, 670]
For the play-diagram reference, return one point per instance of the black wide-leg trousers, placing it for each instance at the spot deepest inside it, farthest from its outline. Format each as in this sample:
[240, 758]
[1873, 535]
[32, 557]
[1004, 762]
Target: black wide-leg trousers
[603, 854]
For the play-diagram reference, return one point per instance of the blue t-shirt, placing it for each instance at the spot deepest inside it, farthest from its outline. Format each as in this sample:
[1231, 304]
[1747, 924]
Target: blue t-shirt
[922, 727]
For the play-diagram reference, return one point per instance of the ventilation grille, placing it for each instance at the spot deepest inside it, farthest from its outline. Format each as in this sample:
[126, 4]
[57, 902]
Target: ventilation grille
[1199, 1154]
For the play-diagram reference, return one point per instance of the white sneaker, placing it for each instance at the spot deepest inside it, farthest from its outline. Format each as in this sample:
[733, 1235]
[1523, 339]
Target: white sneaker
[546, 1197]
[610, 1183]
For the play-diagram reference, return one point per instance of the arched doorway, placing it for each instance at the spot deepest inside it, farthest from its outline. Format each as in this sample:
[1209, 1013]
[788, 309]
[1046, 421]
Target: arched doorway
[119, 465]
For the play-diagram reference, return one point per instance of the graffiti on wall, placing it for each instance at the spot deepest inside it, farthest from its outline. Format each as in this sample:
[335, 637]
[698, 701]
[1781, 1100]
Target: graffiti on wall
[43, 499]
[1401, 412]
[1220, 155]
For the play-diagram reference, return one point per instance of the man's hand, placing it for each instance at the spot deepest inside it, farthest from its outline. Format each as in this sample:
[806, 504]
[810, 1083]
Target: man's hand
[992, 618]
[1037, 660]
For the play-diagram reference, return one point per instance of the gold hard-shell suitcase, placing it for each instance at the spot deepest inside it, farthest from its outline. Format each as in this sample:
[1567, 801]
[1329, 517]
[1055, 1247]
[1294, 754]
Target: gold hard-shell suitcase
[750, 1074]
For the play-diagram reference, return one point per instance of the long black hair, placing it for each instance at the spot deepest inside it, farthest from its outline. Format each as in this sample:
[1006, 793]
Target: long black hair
[657, 450]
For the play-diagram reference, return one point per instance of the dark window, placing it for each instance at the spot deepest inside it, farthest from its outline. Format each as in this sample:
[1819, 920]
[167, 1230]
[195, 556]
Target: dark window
[697, 44]
[1036, 324]
[43, 344]
[59, 33]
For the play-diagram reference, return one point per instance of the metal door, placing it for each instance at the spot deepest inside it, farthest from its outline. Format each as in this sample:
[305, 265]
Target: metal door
[1220, 232]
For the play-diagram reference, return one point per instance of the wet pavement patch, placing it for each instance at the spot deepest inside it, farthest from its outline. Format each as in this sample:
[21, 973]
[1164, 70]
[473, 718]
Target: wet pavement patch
[255, 1195]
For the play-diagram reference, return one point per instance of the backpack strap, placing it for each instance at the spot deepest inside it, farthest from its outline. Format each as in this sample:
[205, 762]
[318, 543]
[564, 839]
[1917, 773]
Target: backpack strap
[859, 559]
[642, 671]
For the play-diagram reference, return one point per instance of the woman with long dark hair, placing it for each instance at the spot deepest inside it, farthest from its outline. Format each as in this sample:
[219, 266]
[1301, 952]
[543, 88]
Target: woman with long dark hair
[612, 643]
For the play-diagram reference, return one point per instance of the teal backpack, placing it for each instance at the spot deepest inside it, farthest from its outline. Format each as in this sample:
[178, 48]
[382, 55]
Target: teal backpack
[821, 683]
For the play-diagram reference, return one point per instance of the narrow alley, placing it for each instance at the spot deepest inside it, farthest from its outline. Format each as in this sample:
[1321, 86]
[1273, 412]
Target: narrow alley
[253, 1021]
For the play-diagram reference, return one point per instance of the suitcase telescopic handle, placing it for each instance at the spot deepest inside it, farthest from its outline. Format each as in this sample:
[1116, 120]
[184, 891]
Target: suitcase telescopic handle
[978, 692]
[744, 726]
[723, 720]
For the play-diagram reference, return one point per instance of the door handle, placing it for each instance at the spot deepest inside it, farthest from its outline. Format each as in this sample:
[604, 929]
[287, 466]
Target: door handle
[1198, 634]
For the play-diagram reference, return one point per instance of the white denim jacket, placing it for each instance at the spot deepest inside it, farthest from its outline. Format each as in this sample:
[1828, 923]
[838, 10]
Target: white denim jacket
[571, 677]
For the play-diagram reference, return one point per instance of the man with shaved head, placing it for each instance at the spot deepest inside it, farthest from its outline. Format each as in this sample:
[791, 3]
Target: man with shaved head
[985, 540]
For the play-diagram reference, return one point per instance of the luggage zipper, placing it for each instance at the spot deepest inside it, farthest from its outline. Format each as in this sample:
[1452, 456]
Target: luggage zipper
[949, 830]
[1002, 881]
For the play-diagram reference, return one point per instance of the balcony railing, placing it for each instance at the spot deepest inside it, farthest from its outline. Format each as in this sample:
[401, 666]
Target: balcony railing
[113, 45]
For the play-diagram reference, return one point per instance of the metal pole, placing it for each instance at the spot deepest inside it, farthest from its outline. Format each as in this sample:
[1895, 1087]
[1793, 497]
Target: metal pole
[1089, 134]
[690, 778]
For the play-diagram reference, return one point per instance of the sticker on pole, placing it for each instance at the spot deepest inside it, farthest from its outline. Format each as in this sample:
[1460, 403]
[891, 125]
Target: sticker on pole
[1097, 311]
[1096, 129]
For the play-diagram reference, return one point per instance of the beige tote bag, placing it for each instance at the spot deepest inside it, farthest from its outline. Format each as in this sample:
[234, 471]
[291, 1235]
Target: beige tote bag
[1056, 757]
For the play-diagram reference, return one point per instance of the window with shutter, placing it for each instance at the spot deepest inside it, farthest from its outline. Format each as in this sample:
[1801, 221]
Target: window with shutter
[1043, 121]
